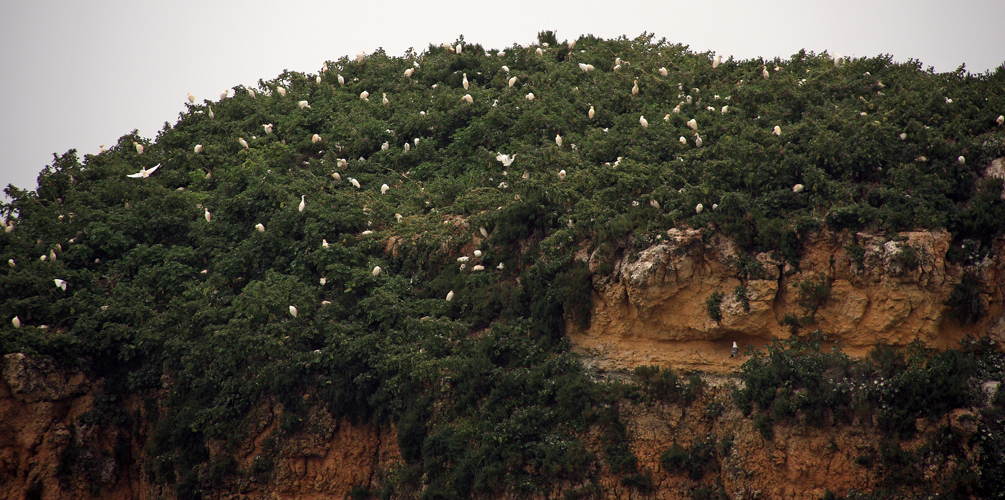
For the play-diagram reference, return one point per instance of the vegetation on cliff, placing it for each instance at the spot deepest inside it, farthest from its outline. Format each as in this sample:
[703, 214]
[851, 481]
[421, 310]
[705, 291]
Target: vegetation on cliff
[172, 292]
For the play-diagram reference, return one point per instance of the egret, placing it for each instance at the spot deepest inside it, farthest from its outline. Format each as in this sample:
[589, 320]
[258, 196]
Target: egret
[60, 283]
[764, 72]
[558, 140]
[777, 131]
[506, 160]
[512, 81]
[303, 203]
[385, 146]
[376, 270]
[478, 268]
[465, 81]
[198, 148]
[242, 142]
[281, 91]
[384, 99]
[683, 140]
[450, 296]
[505, 68]
[903, 136]
[398, 217]
[323, 281]
[10, 262]
[530, 96]
[251, 92]
[101, 147]
[408, 147]
[676, 109]
[341, 81]
[697, 140]
[139, 147]
[384, 188]
[584, 67]
[360, 56]
[539, 51]
[303, 105]
[464, 258]
[416, 141]
[191, 98]
[324, 244]
[52, 254]
[635, 88]
[663, 72]
[838, 60]
[468, 99]
[1000, 120]
[591, 112]
[961, 160]
[268, 128]
[211, 114]
[478, 253]
[717, 61]
[561, 175]
[144, 173]
[260, 227]
[364, 95]
[725, 109]
[734, 351]
[655, 204]
[483, 231]
[715, 206]
[798, 188]
[337, 176]
[459, 48]
[316, 139]
[688, 99]
[317, 80]
[693, 124]
[43, 257]
[224, 94]
[643, 121]
[16, 321]
[354, 182]
[9, 228]
[207, 215]
[698, 208]
[293, 311]
[500, 266]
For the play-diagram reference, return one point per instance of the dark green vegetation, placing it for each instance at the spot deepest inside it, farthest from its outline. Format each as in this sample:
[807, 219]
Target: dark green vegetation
[482, 389]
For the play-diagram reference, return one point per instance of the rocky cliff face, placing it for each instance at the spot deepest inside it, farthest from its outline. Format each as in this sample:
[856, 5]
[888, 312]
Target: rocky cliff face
[858, 289]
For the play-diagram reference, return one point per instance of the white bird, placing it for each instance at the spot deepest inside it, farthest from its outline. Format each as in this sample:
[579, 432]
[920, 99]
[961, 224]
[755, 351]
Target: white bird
[281, 91]
[384, 99]
[364, 95]
[505, 68]
[798, 188]
[251, 92]
[144, 173]
[485, 233]
[324, 244]
[539, 51]
[376, 270]
[354, 182]
[468, 99]
[478, 268]
[43, 257]
[561, 175]
[303, 104]
[268, 128]
[693, 124]
[450, 296]
[323, 281]
[838, 60]
[663, 72]
[635, 88]
[242, 142]
[408, 147]
[341, 81]
[260, 227]
[715, 206]
[317, 80]
[102, 148]
[398, 217]
[11, 263]
[16, 321]
[191, 98]
[303, 203]
[697, 140]
[464, 258]
[584, 67]
[139, 147]
[459, 48]
[198, 148]
[52, 254]
[465, 81]
[293, 311]
[408, 72]
[60, 283]
[1000, 120]
[512, 81]
[643, 122]
[717, 61]
[384, 188]
[617, 67]
[698, 208]
[385, 146]
[777, 131]
[360, 56]
[655, 204]
[506, 160]
[683, 140]
[211, 114]
[764, 72]
[961, 160]
[337, 176]
[478, 253]
[207, 215]
[591, 112]
[903, 136]
[316, 139]
[416, 141]
[558, 140]
[734, 351]
[530, 96]
[725, 109]
[224, 94]
[501, 266]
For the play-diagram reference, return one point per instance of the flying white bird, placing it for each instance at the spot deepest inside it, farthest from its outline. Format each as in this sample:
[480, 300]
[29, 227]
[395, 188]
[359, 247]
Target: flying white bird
[316, 139]
[558, 140]
[207, 215]
[341, 81]
[268, 128]
[376, 270]
[635, 88]
[798, 188]
[60, 283]
[506, 160]
[303, 104]
[643, 122]
[281, 91]
[364, 95]
[191, 98]
[384, 188]
[465, 81]
[260, 227]
[303, 203]
[693, 124]
[293, 311]
[144, 173]
[698, 208]
[663, 72]
[242, 142]
[198, 148]
[777, 131]
[561, 175]
[354, 182]
[591, 112]
[468, 99]
[512, 81]
[139, 147]
[530, 96]
[450, 296]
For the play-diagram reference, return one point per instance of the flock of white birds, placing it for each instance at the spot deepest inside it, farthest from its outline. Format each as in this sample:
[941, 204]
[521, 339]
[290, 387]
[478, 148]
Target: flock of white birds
[506, 159]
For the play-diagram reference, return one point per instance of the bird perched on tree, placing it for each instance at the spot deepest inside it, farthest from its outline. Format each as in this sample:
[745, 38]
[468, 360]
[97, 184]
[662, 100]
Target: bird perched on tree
[635, 88]
[464, 81]
[364, 95]
[268, 128]
[303, 203]
[591, 112]
[697, 140]
[242, 142]
[251, 92]
[207, 215]
[384, 100]
[317, 80]
[961, 160]
[224, 94]
[191, 98]
[717, 61]
[210, 113]
[303, 104]
[764, 72]
[16, 321]
[655, 204]
[693, 124]
[139, 147]
[506, 160]
[478, 268]
[376, 270]
[483, 231]
[316, 139]
[682, 140]
[798, 188]
[450, 296]
[530, 96]
[11, 263]
[561, 175]
[260, 227]
[354, 182]
[698, 208]
[558, 140]
[408, 72]
[281, 91]
[643, 122]
[144, 173]
[384, 188]
[777, 131]
[341, 81]
[360, 56]
[512, 81]
[663, 72]
[734, 351]
[468, 99]
[1000, 120]
[324, 244]
[60, 283]
[293, 311]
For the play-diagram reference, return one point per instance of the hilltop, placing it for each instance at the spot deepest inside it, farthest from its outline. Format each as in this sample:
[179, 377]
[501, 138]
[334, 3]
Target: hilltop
[285, 272]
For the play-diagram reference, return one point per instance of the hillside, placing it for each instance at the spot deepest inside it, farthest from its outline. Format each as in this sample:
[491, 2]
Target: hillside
[348, 256]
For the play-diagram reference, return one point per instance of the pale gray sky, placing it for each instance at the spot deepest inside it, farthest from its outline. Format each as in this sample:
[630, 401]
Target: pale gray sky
[79, 74]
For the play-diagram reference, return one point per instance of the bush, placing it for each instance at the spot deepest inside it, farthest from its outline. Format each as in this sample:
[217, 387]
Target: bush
[714, 306]
[965, 303]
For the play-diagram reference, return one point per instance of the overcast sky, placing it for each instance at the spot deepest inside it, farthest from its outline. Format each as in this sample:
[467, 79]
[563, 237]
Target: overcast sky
[77, 74]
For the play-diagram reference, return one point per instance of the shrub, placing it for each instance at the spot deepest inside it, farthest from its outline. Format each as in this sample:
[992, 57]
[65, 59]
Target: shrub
[714, 306]
[965, 303]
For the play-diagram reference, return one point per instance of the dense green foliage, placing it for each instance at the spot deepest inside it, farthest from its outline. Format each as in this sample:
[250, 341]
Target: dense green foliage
[484, 394]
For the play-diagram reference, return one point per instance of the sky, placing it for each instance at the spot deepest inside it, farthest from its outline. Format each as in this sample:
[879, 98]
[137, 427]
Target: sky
[80, 74]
